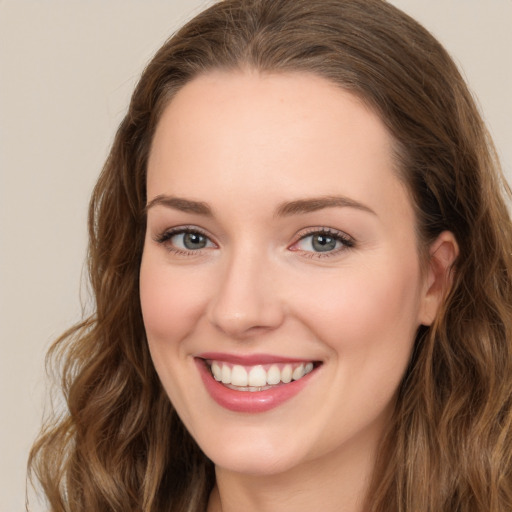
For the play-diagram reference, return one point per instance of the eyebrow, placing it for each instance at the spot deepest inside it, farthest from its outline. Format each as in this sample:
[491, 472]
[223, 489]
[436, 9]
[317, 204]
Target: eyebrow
[297, 207]
[314, 204]
[178, 203]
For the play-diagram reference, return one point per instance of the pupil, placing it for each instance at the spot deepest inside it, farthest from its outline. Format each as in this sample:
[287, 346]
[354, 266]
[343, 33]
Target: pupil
[194, 241]
[322, 243]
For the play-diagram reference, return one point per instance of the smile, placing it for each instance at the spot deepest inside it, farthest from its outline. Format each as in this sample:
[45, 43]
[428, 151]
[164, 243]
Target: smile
[254, 384]
[258, 377]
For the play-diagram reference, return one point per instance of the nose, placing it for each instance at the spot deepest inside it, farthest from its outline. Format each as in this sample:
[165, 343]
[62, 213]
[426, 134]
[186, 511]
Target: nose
[246, 301]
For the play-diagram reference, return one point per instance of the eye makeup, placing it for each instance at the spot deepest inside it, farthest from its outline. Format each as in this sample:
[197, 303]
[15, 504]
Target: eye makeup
[315, 242]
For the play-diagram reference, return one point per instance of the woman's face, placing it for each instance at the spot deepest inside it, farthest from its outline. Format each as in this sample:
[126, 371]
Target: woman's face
[280, 245]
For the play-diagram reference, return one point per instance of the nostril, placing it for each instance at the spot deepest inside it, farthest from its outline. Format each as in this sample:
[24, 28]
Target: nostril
[242, 319]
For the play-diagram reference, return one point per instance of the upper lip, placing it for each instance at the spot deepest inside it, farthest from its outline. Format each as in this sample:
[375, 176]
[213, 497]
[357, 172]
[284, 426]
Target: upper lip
[250, 359]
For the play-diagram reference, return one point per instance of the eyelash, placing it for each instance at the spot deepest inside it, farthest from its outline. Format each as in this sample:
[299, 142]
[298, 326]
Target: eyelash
[346, 241]
[164, 237]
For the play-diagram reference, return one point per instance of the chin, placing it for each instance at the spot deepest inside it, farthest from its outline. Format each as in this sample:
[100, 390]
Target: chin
[253, 455]
[273, 464]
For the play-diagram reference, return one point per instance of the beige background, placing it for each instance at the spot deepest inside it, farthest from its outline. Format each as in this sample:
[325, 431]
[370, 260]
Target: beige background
[67, 69]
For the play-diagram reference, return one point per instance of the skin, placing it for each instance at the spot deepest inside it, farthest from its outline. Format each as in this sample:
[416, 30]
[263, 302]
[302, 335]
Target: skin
[244, 143]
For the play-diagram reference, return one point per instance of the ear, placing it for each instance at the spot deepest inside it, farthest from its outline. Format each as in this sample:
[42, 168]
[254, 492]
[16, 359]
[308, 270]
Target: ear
[438, 277]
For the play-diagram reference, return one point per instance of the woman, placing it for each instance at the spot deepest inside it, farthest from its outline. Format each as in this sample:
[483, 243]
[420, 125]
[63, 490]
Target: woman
[301, 257]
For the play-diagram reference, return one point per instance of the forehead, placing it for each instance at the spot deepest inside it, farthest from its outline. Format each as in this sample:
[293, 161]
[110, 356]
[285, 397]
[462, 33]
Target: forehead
[271, 134]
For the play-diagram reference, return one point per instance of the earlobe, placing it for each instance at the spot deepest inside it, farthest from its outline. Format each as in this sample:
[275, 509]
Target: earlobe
[438, 279]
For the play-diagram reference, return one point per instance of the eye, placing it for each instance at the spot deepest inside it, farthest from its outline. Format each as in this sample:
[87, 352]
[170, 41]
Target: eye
[325, 241]
[190, 241]
[185, 240]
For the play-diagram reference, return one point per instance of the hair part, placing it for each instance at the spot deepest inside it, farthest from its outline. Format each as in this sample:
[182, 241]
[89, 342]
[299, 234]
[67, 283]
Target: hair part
[122, 447]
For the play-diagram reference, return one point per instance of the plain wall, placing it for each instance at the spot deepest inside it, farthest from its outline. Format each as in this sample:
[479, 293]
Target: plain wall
[67, 69]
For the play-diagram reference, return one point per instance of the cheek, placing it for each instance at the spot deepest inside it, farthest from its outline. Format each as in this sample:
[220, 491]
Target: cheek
[368, 319]
[171, 302]
[360, 307]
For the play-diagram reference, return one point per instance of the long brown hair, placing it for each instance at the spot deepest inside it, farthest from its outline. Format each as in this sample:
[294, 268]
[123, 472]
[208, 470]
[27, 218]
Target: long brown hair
[121, 447]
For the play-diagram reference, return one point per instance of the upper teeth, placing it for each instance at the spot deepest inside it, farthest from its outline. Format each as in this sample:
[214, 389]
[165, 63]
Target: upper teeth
[260, 375]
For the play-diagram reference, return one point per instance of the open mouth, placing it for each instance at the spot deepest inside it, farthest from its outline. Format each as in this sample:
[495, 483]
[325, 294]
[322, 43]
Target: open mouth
[260, 377]
[254, 384]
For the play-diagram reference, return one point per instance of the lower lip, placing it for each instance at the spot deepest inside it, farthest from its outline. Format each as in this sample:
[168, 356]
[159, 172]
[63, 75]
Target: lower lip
[250, 401]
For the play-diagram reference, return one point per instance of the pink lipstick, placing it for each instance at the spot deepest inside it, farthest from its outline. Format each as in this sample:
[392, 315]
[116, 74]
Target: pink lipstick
[255, 383]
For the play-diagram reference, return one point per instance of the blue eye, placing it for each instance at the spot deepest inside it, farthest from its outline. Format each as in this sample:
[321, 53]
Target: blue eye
[323, 241]
[185, 239]
[319, 243]
[190, 241]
